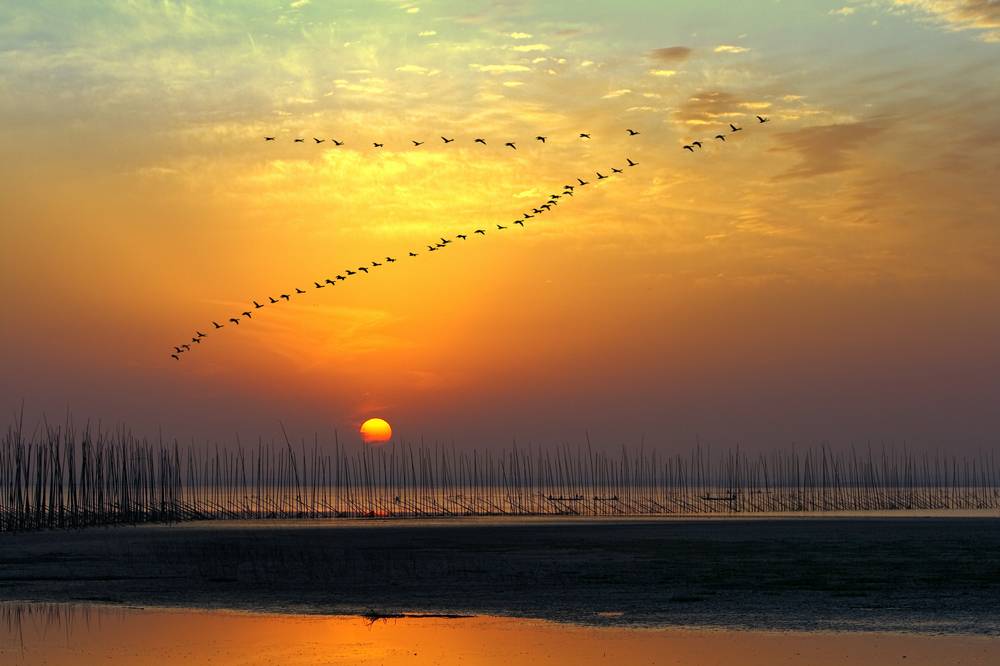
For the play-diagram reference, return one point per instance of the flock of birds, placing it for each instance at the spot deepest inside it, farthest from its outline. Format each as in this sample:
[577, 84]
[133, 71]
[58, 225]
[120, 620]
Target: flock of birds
[553, 200]
[416, 144]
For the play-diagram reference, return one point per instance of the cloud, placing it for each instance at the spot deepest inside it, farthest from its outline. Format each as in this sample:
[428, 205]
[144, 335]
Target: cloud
[729, 48]
[499, 69]
[587, 63]
[417, 69]
[520, 35]
[826, 149]
[531, 47]
[843, 11]
[709, 108]
[427, 33]
[616, 93]
[981, 15]
[671, 54]
[299, 3]
[663, 72]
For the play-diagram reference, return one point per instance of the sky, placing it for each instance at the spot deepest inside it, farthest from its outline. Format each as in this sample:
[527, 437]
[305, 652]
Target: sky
[830, 276]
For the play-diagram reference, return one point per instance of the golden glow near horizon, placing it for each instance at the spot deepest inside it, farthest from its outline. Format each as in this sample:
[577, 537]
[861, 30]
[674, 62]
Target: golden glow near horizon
[375, 431]
[830, 275]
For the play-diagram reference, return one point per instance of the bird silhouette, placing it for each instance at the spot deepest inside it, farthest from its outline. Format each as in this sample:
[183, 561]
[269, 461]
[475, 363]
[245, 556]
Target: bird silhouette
[631, 163]
[445, 241]
[417, 144]
[446, 140]
[541, 138]
[614, 170]
[528, 217]
[286, 297]
[553, 196]
[330, 282]
[480, 141]
[299, 291]
[462, 236]
[200, 334]
[761, 119]
[535, 211]
[257, 305]
[268, 138]
[337, 143]
[481, 232]
[511, 144]
[197, 341]
[178, 350]
[299, 140]
[375, 264]
[350, 272]
[521, 222]
[272, 299]
[568, 187]
[363, 268]
[217, 324]
[696, 143]
[438, 244]
[378, 145]
[689, 148]
[186, 347]
[546, 206]
[340, 277]
[734, 128]
[413, 254]
[248, 315]
[318, 285]
[568, 193]
[631, 132]
[431, 248]
[390, 259]
[720, 137]
[584, 135]
[234, 320]
[175, 357]
[500, 226]
[318, 140]
[581, 181]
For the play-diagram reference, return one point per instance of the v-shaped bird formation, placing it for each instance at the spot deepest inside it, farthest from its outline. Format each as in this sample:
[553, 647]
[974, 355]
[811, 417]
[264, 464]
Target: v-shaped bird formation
[563, 195]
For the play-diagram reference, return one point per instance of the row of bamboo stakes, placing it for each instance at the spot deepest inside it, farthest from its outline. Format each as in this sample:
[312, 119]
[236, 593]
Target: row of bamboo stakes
[61, 477]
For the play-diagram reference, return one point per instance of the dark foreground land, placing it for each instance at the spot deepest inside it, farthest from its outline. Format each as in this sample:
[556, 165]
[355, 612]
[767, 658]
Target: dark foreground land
[919, 574]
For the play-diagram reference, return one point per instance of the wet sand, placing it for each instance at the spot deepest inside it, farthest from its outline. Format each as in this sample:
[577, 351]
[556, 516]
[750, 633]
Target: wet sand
[81, 636]
[920, 575]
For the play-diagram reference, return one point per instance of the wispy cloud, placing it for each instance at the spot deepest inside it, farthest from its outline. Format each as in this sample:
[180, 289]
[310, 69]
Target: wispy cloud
[526, 48]
[729, 48]
[499, 69]
[671, 54]
[982, 15]
[663, 72]
[843, 11]
[826, 149]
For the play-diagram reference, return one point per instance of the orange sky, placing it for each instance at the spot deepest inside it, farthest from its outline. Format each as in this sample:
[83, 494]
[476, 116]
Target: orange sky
[830, 276]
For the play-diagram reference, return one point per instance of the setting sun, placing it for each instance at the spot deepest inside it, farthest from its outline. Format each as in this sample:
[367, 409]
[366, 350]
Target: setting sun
[376, 431]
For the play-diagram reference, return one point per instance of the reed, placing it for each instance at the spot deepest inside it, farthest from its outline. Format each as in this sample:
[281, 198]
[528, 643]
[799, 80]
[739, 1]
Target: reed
[67, 477]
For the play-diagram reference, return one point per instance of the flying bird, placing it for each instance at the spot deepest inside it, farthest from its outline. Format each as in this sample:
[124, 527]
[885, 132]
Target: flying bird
[340, 277]
[234, 320]
[257, 305]
[734, 128]
[511, 144]
[330, 282]
[299, 291]
[186, 347]
[696, 143]
[630, 162]
[178, 350]
[175, 357]
[581, 181]
[268, 138]
[521, 222]
[631, 132]
[337, 143]
[431, 248]
[200, 334]
[350, 272]
[689, 148]
[197, 341]
[272, 299]
[318, 140]
[500, 226]
[528, 217]
[480, 141]
[614, 170]
[445, 241]
[390, 259]
[720, 137]
[413, 254]
[376, 264]
[761, 119]
[248, 315]
[299, 140]
[462, 236]
[286, 297]
[217, 324]
[363, 268]
[417, 143]
[318, 285]
[568, 187]
[378, 145]
[541, 138]
[481, 232]
[584, 135]
[446, 140]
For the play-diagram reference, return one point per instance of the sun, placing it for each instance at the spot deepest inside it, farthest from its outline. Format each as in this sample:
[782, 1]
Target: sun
[376, 431]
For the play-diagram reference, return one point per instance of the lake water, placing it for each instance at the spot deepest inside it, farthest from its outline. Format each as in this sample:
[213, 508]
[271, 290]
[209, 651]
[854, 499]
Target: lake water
[84, 635]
